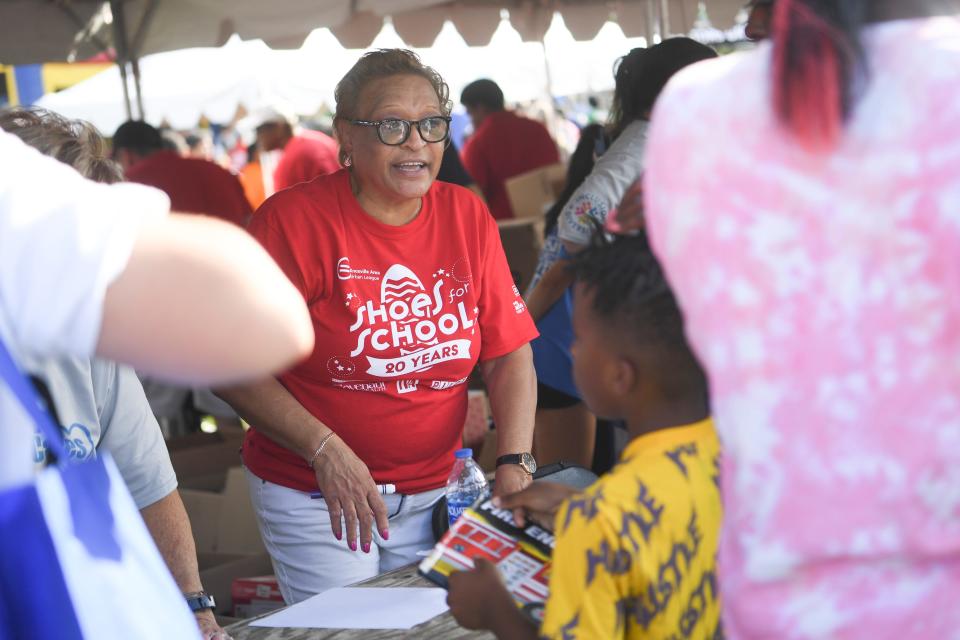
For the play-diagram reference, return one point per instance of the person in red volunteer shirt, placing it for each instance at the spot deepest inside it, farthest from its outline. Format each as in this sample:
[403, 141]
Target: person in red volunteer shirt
[306, 153]
[503, 145]
[194, 185]
[408, 288]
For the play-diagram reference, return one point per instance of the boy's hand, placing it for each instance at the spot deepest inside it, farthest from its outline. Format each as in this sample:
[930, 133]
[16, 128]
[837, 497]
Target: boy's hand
[538, 502]
[477, 598]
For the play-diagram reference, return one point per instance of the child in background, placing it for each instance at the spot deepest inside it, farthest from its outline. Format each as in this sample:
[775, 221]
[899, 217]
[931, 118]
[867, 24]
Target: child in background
[635, 553]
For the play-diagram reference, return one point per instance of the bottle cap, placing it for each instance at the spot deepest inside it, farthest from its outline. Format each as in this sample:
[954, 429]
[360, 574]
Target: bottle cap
[463, 454]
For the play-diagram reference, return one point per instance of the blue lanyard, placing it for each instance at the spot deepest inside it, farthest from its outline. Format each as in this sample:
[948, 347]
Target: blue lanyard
[30, 401]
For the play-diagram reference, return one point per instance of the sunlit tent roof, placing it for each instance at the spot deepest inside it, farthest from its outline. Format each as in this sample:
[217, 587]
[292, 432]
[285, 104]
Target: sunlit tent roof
[51, 30]
[181, 87]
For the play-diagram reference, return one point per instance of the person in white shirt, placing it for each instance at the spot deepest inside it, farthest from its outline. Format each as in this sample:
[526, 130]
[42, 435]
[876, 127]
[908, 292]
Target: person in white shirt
[99, 404]
[88, 269]
[91, 269]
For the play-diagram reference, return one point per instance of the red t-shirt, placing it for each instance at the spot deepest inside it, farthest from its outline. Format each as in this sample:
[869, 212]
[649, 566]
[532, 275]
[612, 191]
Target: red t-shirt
[307, 155]
[506, 145]
[194, 185]
[401, 315]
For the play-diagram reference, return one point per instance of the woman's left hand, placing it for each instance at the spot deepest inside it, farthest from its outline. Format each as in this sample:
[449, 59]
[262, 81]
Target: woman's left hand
[510, 478]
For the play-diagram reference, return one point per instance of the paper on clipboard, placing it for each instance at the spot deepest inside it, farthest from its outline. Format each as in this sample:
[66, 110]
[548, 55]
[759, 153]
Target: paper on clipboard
[362, 608]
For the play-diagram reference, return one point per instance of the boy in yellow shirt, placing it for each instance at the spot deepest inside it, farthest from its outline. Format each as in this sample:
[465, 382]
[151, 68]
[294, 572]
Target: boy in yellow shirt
[635, 552]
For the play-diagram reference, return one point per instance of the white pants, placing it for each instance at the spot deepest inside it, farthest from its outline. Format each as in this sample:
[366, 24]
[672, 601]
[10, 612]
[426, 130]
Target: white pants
[308, 559]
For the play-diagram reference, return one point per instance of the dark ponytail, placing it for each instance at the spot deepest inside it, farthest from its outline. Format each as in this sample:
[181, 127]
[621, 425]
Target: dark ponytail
[818, 66]
[642, 74]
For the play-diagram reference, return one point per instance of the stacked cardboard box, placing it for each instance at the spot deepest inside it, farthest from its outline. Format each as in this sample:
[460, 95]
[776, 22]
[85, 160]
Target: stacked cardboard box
[255, 596]
[214, 492]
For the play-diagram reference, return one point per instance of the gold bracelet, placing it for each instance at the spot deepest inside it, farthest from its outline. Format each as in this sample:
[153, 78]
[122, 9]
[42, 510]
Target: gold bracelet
[323, 443]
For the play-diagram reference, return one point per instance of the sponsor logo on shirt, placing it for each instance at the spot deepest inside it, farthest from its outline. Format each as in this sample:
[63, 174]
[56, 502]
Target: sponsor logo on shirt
[588, 210]
[407, 386]
[360, 385]
[443, 385]
[346, 272]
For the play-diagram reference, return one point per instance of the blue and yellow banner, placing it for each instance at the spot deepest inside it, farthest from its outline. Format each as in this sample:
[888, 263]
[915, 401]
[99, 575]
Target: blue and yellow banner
[26, 83]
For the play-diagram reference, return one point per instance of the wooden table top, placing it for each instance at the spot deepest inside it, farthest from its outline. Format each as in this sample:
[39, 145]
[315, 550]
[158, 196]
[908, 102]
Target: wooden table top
[443, 626]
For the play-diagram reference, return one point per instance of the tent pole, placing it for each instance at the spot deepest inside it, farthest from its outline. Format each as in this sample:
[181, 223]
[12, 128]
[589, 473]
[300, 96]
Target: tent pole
[546, 67]
[664, 18]
[653, 23]
[126, 90]
[123, 51]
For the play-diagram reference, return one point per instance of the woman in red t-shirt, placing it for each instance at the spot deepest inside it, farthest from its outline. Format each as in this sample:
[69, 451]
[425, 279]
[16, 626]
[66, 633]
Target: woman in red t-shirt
[408, 289]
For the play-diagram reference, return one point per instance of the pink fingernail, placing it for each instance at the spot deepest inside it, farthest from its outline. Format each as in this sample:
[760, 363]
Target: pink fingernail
[353, 546]
[366, 547]
[338, 536]
[385, 534]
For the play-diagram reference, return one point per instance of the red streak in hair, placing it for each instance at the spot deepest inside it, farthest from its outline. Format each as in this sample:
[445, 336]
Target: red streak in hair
[807, 82]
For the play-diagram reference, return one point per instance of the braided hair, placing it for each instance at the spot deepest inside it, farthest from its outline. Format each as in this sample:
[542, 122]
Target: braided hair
[631, 295]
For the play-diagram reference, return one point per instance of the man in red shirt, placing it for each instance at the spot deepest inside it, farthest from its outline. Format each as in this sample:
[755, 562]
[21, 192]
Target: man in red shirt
[306, 153]
[194, 185]
[503, 144]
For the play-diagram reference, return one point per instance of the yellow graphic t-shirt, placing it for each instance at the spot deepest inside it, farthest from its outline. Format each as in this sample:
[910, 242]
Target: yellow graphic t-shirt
[635, 553]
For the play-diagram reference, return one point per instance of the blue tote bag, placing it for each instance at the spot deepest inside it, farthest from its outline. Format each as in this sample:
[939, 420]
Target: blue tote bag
[76, 560]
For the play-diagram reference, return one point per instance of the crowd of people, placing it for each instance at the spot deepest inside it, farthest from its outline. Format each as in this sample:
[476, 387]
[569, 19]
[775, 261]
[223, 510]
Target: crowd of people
[750, 272]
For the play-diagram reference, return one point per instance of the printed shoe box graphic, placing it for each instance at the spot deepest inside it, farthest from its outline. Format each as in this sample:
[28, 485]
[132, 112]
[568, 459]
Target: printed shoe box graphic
[255, 596]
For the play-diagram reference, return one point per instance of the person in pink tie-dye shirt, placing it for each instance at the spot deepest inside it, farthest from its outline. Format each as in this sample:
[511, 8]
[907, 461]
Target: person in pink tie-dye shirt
[804, 199]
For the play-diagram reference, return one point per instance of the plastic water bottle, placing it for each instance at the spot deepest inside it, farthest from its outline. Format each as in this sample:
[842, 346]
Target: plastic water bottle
[465, 484]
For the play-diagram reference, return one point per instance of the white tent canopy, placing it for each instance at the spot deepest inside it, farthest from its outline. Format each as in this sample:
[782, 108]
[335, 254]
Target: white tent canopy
[49, 30]
[180, 87]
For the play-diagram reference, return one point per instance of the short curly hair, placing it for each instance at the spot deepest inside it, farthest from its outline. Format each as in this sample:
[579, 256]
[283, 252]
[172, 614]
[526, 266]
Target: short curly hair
[377, 65]
[73, 142]
[631, 296]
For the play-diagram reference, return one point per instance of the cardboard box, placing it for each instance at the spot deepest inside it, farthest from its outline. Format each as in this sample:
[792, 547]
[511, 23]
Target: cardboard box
[532, 193]
[522, 240]
[226, 536]
[487, 458]
[201, 460]
[255, 596]
[218, 571]
[478, 419]
[224, 522]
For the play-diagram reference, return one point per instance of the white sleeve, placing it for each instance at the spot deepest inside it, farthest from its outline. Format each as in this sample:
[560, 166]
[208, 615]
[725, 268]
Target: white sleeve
[131, 434]
[63, 241]
[613, 173]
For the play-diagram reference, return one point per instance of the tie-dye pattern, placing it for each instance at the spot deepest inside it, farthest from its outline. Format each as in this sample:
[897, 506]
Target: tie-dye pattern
[822, 293]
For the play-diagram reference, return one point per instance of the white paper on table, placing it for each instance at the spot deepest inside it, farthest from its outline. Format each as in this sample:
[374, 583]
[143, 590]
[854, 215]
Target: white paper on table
[362, 608]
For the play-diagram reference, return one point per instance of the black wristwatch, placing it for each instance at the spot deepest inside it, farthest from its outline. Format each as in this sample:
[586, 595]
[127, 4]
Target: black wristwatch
[525, 460]
[200, 600]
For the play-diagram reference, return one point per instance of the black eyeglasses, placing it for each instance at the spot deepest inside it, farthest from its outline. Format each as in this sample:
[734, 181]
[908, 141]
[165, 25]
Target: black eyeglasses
[394, 132]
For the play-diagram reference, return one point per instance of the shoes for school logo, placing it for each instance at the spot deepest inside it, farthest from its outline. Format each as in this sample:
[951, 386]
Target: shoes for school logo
[422, 324]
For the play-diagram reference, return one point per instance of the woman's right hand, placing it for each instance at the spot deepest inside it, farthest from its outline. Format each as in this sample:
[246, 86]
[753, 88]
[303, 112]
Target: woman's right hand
[350, 494]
